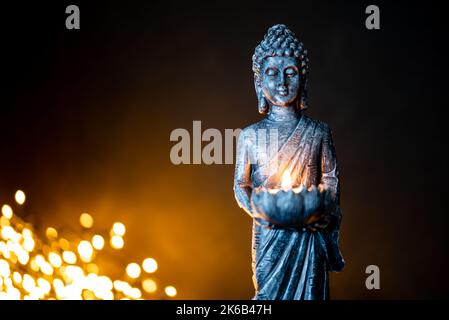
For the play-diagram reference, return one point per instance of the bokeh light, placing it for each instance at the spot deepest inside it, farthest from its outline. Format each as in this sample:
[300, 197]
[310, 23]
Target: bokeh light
[149, 265]
[55, 259]
[64, 265]
[86, 220]
[7, 211]
[170, 291]
[20, 197]
[149, 285]
[69, 257]
[17, 277]
[4, 268]
[117, 242]
[85, 251]
[118, 229]
[133, 270]
[51, 233]
[98, 242]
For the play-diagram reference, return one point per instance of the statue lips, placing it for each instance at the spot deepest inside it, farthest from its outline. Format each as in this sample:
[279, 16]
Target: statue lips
[290, 208]
[283, 92]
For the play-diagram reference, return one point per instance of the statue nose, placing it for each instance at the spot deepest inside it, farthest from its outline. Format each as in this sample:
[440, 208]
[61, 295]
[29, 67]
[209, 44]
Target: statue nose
[282, 88]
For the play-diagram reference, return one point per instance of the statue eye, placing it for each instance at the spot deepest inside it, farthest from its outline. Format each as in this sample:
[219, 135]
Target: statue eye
[271, 72]
[290, 72]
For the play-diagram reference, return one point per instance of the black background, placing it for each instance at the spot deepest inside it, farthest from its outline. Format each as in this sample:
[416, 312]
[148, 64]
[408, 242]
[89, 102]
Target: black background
[86, 116]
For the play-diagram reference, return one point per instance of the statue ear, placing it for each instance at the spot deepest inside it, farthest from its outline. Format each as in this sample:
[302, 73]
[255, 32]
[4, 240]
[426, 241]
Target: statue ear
[303, 101]
[262, 102]
[263, 105]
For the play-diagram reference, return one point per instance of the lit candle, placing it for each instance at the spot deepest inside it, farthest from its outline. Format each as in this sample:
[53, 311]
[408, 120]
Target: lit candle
[286, 181]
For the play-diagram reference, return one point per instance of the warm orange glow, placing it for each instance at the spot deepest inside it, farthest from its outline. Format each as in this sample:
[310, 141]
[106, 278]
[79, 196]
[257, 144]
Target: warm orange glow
[149, 285]
[39, 260]
[28, 244]
[8, 233]
[74, 272]
[51, 233]
[93, 268]
[286, 181]
[4, 268]
[133, 270]
[23, 257]
[34, 265]
[50, 268]
[88, 295]
[86, 220]
[20, 197]
[119, 229]
[85, 251]
[44, 285]
[12, 294]
[64, 244]
[98, 242]
[17, 277]
[149, 265]
[69, 257]
[7, 211]
[4, 221]
[117, 242]
[170, 291]
[120, 285]
[133, 293]
[46, 268]
[28, 283]
[55, 259]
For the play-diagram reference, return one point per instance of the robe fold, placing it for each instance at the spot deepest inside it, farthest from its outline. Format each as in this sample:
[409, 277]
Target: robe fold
[292, 264]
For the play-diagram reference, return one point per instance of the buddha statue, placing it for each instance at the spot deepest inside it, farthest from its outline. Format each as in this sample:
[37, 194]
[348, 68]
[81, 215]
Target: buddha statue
[290, 260]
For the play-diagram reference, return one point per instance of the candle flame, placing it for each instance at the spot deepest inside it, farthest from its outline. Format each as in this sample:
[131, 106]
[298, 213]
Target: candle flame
[286, 181]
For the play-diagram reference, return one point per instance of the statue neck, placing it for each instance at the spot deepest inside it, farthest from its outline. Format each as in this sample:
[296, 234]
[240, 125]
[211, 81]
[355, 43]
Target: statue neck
[282, 114]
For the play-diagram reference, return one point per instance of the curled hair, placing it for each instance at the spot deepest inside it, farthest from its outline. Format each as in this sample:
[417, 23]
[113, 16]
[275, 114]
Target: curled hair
[280, 41]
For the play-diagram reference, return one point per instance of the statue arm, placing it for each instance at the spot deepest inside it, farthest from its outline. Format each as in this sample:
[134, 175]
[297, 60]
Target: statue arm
[329, 168]
[330, 180]
[242, 175]
[329, 216]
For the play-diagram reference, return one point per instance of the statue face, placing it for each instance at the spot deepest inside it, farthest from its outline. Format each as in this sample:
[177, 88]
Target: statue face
[281, 80]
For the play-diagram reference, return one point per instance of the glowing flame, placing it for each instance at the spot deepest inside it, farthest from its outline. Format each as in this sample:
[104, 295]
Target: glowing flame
[286, 181]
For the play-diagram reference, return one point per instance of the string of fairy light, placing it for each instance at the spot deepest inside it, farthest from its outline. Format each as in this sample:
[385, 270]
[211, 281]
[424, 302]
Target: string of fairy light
[56, 267]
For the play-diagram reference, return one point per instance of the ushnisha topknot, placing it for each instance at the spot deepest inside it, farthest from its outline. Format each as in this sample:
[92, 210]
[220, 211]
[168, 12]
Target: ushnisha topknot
[280, 41]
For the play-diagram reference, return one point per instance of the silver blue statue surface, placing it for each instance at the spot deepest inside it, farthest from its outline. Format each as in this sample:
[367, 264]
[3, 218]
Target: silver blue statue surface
[286, 179]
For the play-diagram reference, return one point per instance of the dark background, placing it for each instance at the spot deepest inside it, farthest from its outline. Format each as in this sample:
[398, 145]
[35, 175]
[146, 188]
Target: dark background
[86, 117]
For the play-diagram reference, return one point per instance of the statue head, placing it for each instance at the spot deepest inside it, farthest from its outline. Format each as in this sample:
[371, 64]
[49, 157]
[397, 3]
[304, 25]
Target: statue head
[280, 66]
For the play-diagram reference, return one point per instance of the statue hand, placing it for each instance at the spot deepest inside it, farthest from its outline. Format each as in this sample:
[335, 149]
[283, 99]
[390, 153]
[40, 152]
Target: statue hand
[318, 205]
[291, 209]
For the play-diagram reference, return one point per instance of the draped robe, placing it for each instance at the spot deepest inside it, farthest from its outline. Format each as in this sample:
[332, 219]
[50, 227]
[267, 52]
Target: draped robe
[290, 263]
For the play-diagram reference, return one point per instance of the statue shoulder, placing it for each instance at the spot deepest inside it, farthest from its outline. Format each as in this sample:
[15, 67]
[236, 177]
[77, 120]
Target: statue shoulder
[246, 136]
[321, 126]
[249, 131]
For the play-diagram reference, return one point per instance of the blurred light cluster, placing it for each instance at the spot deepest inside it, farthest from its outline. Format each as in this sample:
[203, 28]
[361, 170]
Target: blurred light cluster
[55, 267]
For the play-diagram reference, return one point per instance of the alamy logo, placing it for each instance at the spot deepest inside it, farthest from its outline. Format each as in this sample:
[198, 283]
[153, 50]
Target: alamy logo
[189, 148]
[73, 20]
[372, 22]
[373, 280]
